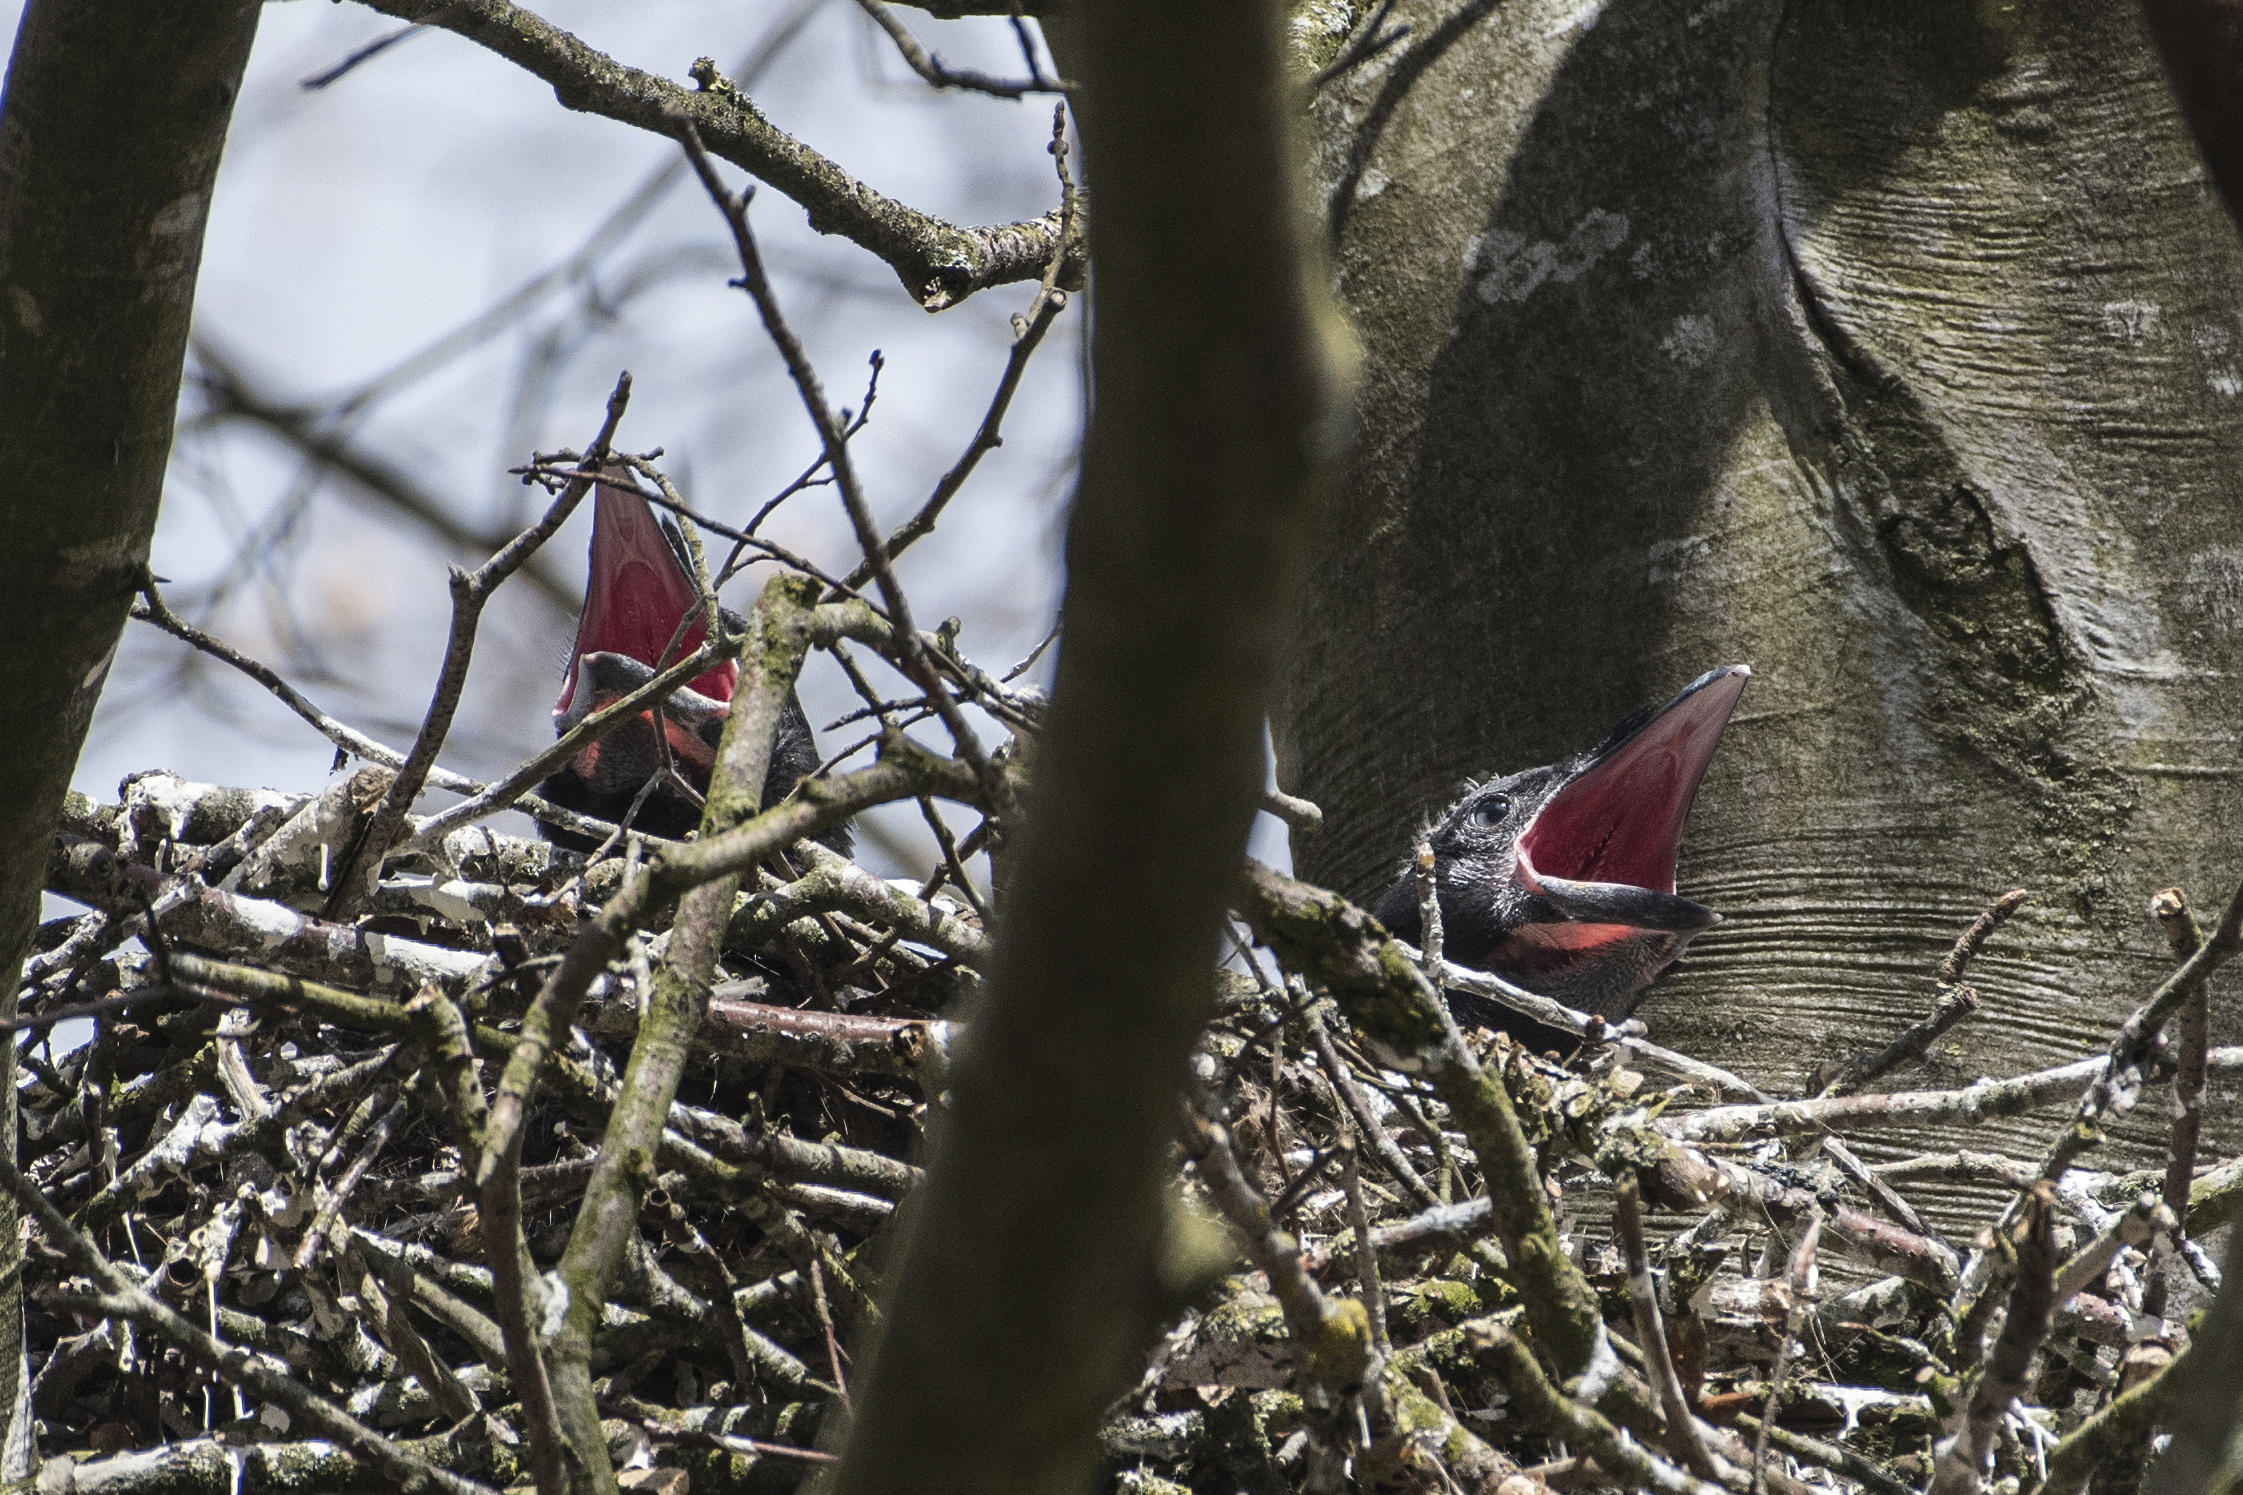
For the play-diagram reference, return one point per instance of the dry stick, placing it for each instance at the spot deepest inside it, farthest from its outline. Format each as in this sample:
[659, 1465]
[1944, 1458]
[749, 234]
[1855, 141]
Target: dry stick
[407, 1282]
[1802, 1276]
[1392, 1004]
[1835, 1457]
[2032, 1302]
[1050, 302]
[117, 1294]
[939, 263]
[1627, 1037]
[1299, 814]
[2091, 1261]
[1366, 1259]
[1359, 1106]
[1955, 1002]
[824, 1313]
[1651, 1335]
[1888, 1198]
[2181, 933]
[2136, 1034]
[911, 657]
[930, 67]
[774, 648]
[950, 859]
[1626, 1461]
[514, 1280]
[387, 1322]
[1429, 912]
[1974, 1103]
[151, 609]
[331, 1205]
[471, 592]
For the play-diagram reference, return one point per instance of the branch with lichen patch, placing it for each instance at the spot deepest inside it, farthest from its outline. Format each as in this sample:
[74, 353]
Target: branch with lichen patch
[940, 264]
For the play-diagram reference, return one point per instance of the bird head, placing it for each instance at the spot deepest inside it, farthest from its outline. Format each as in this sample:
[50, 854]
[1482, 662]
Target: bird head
[639, 591]
[1562, 878]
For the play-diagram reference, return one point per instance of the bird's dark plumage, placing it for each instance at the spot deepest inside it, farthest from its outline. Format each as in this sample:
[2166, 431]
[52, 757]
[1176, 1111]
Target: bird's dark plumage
[639, 590]
[1561, 879]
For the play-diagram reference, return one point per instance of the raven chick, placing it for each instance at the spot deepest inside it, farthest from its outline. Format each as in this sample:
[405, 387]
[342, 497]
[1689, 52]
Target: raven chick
[1561, 879]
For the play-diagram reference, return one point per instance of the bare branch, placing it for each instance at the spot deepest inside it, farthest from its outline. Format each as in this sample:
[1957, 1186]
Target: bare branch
[1963, 1461]
[930, 67]
[940, 264]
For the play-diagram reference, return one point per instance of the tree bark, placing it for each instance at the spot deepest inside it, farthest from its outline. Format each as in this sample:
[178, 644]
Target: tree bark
[111, 127]
[1891, 348]
[1030, 1285]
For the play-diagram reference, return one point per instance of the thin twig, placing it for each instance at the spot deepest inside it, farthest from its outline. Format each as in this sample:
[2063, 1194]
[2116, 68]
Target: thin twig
[471, 592]
[1369, 40]
[930, 67]
[1429, 912]
[1029, 336]
[1954, 1003]
[1366, 1258]
[150, 608]
[1359, 1106]
[1962, 1462]
[2171, 910]
[910, 654]
[1802, 1280]
[824, 1312]
[1683, 1440]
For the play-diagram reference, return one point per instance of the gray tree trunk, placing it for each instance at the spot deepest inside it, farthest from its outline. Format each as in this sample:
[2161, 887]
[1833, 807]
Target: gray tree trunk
[111, 126]
[1892, 348]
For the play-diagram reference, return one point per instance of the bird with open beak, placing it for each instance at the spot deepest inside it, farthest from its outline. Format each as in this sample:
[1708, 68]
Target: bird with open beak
[640, 589]
[1561, 879]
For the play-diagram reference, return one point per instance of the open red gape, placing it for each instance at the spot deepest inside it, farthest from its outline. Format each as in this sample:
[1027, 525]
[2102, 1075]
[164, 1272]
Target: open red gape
[635, 596]
[1620, 819]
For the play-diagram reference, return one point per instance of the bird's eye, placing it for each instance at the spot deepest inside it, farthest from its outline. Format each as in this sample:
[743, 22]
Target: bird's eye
[1489, 813]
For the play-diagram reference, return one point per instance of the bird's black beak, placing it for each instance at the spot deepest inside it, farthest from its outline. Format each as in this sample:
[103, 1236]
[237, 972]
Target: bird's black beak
[1601, 851]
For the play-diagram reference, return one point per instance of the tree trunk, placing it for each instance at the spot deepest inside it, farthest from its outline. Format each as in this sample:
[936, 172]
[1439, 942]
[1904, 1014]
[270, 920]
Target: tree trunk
[111, 127]
[1891, 348]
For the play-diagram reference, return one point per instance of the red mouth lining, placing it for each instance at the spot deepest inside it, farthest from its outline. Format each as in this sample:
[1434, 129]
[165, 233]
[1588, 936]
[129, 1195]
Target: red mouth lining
[636, 595]
[1620, 819]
